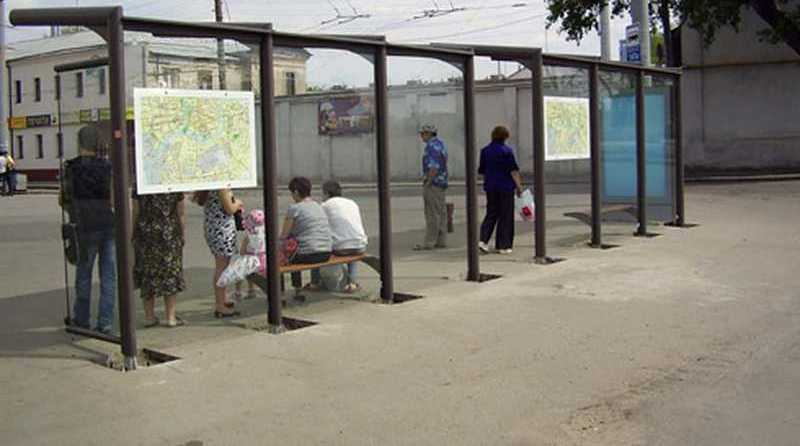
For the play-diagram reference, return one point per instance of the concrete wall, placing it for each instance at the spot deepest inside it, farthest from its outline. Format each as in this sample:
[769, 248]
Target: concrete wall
[303, 151]
[740, 102]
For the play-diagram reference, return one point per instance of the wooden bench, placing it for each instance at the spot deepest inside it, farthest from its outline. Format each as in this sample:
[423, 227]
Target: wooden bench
[295, 269]
[586, 216]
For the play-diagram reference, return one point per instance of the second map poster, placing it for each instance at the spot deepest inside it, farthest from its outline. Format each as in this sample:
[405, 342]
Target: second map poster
[189, 140]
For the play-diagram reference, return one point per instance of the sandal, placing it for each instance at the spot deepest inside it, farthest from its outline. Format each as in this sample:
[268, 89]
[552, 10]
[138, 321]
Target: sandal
[220, 315]
[178, 322]
[150, 323]
[351, 288]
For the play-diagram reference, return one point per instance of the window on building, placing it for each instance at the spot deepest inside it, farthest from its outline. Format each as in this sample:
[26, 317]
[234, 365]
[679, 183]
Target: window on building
[290, 83]
[20, 147]
[37, 89]
[101, 79]
[171, 77]
[60, 143]
[39, 146]
[79, 85]
[205, 80]
[58, 87]
[18, 91]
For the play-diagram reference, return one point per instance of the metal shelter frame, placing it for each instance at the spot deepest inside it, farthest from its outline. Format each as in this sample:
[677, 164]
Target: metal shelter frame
[110, 24]
[535, 60]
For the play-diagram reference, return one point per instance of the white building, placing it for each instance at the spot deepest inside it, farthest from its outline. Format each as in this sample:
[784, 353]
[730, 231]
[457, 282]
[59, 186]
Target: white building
[39, 98]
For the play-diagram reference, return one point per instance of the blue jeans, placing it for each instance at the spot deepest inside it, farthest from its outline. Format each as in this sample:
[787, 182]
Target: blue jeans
[93, 244]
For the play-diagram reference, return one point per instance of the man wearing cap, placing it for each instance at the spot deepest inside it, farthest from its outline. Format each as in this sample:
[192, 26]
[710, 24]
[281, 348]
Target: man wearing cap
[86, 194]
[434, 171]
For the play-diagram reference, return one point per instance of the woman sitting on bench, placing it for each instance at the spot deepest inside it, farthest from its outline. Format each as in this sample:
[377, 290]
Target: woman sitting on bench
[307, 223]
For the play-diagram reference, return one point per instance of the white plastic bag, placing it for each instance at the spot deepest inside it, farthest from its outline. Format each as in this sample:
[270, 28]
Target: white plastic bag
[524, 207]
[238, 269]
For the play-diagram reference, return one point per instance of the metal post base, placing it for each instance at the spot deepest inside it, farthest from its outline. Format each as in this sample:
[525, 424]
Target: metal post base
[129, 364]
[645, 234]
[275, 329]
[546, 260]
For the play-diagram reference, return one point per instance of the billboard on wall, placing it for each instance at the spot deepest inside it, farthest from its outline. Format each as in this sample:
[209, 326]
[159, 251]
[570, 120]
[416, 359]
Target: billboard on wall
[348, 115]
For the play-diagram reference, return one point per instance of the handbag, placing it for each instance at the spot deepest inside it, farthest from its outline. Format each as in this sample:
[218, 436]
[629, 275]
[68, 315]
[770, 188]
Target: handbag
[287, 251]
[69, 235]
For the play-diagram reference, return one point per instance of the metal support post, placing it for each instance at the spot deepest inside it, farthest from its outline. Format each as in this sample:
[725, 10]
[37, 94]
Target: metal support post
[473, 262]
[384, 175]
[641, 161]
[121, 173]
[594, 130]
[537, 107]
[680, 215]
[269, 165]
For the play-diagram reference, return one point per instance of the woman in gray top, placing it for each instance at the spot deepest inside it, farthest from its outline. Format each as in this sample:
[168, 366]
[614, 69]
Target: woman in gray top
[307, 222]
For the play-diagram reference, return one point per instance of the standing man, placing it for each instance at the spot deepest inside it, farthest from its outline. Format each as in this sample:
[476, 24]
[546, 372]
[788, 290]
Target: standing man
[86, 194]
[434, 185]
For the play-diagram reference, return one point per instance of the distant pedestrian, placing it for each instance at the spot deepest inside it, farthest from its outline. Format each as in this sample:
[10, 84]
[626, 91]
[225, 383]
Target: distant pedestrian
[86, 194]
[501, 179]
[7, 165]
[158, 239]
[434, 186]
[220, 230]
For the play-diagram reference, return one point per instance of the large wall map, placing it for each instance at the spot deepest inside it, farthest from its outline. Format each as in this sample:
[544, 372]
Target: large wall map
[190, 140]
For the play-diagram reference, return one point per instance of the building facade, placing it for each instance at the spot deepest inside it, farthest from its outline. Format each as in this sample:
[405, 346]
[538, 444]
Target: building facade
[46, 109]
[740, 102]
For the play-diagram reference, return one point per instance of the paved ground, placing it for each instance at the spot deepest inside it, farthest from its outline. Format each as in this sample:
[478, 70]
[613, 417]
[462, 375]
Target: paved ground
[688, 338]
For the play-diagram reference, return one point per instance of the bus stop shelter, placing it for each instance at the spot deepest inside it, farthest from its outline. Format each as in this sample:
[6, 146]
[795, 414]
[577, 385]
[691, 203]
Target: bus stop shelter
[110, 24]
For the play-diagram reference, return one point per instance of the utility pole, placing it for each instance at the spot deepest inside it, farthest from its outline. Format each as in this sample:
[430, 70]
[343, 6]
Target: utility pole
[3, 120]
[605, 33]
[644, 31]
[220, 45]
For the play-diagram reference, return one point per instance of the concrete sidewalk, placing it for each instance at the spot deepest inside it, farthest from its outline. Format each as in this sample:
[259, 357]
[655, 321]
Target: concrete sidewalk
[579, 352]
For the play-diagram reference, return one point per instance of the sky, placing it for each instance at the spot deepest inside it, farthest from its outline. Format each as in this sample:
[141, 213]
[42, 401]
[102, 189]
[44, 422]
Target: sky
[500, 22]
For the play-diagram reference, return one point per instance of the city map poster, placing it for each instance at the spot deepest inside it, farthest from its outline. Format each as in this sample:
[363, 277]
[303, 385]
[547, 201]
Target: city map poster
[566, 123]
[349, 115]
[189, 140]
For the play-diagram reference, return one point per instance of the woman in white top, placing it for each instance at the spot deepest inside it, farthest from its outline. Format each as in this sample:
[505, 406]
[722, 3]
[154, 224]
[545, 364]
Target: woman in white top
[347, 231]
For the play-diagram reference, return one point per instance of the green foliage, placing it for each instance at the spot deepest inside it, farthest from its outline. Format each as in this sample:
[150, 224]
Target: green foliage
[578, 17]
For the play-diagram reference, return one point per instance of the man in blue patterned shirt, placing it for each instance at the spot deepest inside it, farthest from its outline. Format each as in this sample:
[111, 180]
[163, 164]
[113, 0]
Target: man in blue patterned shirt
[434, 171]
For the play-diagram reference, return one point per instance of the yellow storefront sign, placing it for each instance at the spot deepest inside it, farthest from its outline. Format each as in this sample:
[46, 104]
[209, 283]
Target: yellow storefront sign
[17, 122]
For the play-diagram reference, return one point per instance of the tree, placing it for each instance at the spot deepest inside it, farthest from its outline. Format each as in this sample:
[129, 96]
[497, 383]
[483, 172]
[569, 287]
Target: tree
[579, 17]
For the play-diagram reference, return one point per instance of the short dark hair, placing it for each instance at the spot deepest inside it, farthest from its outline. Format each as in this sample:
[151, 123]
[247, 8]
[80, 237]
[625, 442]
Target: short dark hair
[500, 133]
[89, 138]
[332, 188]
[301, 185]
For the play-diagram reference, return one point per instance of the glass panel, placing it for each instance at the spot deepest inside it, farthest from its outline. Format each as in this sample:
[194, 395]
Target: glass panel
[196, 158]
[426, 94]
[618, 153]
[567, 159]
[326, 133]
[660, 141]
[503, 101]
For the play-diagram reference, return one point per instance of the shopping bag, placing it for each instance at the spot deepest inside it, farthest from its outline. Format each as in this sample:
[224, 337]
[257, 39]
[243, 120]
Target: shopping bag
[238, 269]
[523, 206]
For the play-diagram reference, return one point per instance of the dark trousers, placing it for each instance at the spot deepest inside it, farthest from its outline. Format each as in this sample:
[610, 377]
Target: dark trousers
[500, 213]
[316, 257]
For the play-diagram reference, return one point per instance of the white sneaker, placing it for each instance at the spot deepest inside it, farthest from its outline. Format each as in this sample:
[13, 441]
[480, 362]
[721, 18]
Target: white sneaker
[504, 251]
[483, 247]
